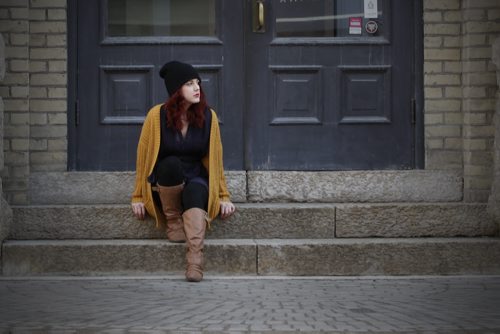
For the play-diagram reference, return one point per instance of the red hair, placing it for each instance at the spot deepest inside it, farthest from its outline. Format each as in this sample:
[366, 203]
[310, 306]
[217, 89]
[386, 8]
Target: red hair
[195, 113]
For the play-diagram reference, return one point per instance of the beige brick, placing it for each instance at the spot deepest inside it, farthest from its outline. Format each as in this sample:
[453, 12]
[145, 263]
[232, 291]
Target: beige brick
[453, 92]
[19, 118]
[482, 26]
[15, 158]
[478, 131]
[37, 66]
[38, 40]
[16, 131]
[19, 13]
[474, 118]
[19, 91]
[17, 65]
[18, 198]
[471, 92]
[48, 158]
[48, 79]
[38, 119]
[48, 3]
[4, 14]
[442, 79]
[442, 29]
[444, 159]
[434, 143]
[474, 144]
[19, 144]
[476, 196]
[431, 93]
[14, 26]
[443, 131]
[480, 3]
[48, 53]
[52, 131]
[453, 143]
[453, 67]
[57, 92]
[432, 16]
[39, 144]
[16, 52]
[57, 144]
[477, 79]
[433, 119]
[474, 14]
[48, 105]
[477, 182]
[58, 118]
[453, 16]
[38, 14]
[442, 4]
[57, 65]
[56, 40]
[18, 39]
[474, 40]
[442, 105]
[452, 42]
[20, 172]
[477, 53]
[12, 79]
[494, 14]
[5, 92]
[16, 105]
[38, 92]
[48, 27]
[433, 67]
[455, 118]
[479, 104]
[442, 54]
[57, 14]
[474, 66]
[433, 41]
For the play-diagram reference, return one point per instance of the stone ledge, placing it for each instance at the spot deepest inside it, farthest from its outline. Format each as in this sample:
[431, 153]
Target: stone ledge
[263, 186]
[353, 257]
[250, 221]
[355, 186]
[413, 220]
[103, 187]
[432, 256]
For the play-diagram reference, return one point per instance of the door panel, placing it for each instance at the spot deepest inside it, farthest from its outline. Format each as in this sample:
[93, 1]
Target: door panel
[322, 98]
[118, 63]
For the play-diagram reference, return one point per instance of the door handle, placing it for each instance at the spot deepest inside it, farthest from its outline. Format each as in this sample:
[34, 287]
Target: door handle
[258, 16]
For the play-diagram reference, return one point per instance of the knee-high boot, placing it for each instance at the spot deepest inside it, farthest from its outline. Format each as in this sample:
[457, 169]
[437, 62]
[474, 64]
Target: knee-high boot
[195, 223]
[171, 202]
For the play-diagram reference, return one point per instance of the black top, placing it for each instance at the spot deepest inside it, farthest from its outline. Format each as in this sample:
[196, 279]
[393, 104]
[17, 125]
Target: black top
[189, 149]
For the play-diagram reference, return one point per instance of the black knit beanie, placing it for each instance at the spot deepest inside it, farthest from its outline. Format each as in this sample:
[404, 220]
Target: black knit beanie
[177, 74]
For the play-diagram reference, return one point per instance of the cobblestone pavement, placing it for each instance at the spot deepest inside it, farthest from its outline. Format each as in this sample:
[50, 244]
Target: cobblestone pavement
[469, 304]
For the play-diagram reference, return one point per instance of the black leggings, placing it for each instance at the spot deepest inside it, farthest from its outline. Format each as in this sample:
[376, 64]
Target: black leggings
[169, 173]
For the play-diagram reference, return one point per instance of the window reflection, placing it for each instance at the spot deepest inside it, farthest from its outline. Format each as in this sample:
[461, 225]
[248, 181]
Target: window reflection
[161, 17]
[324, 18]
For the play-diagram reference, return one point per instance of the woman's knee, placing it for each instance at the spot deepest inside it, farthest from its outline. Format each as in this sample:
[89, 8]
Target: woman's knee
[195, 195]
[169, 171]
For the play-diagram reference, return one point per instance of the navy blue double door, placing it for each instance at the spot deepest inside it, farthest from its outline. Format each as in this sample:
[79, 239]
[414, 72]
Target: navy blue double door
[297, 85]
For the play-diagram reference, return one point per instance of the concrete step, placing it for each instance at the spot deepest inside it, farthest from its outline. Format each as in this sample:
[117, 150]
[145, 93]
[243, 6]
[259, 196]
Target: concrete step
[396, 256]
[263, 221]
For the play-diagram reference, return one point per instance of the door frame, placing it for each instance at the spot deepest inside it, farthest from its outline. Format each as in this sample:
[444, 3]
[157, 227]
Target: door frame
[72, 88]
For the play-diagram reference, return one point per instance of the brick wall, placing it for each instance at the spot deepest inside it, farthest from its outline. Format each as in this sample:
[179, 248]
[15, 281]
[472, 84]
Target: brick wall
[459, 89]
[34, 91]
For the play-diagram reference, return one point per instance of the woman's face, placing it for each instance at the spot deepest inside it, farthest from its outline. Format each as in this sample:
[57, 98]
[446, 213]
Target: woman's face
[191, 91]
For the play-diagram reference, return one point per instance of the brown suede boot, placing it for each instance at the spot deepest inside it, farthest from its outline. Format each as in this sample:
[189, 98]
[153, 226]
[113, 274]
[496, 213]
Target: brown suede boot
[171, 203]
[195, 223]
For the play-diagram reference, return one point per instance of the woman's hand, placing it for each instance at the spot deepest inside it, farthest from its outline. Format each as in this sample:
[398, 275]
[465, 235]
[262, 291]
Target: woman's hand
[226, 209]
[139, 210]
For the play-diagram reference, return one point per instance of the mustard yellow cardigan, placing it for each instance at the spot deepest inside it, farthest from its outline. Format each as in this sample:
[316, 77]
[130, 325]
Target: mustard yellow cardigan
[147, 153]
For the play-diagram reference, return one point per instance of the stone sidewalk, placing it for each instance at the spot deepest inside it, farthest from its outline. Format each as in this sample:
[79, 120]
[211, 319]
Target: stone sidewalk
[458, 304]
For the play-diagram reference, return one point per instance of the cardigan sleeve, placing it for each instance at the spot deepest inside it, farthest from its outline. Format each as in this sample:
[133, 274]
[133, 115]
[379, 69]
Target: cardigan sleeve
[142, 149]
[223, 192]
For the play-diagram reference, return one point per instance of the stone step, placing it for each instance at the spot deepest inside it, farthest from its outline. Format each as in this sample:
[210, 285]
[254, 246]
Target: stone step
[264, 221]
[263, 186]
[299, 257]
